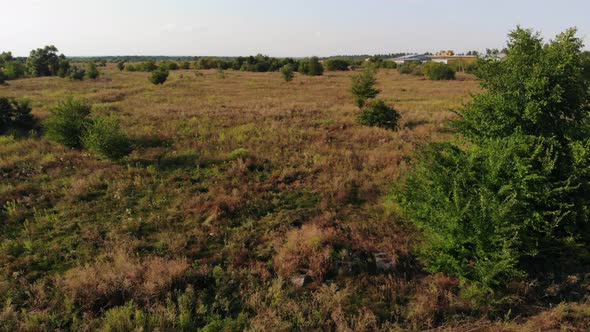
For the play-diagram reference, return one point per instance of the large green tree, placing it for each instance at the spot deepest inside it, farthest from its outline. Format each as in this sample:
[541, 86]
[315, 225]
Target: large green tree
[44, 61]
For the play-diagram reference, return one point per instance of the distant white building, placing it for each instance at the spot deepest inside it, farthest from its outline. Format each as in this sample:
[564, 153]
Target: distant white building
[446, 59]
[409, 58]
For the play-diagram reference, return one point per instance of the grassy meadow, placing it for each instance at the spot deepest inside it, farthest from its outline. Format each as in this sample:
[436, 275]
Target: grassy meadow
[236, 186]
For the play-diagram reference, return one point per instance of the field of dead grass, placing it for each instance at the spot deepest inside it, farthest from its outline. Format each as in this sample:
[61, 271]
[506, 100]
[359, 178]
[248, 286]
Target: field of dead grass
[193, 234]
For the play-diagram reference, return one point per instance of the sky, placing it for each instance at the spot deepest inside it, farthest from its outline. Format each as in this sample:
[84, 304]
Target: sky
[276, 27]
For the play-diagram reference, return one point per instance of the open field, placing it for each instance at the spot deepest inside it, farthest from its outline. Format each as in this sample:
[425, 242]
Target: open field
[235, 186]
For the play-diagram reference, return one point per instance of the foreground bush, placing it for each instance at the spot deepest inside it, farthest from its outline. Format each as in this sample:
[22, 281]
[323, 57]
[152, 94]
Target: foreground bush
[15, 115]
[159, 76]
[67, 122]
[103, 136]
[379, 114]
[514, 203]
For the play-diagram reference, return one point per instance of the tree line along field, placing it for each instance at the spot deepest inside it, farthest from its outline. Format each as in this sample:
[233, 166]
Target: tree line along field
[246, 203]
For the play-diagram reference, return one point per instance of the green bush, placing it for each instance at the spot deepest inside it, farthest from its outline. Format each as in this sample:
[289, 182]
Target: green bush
[311, 66]
[15, 115]
[121, 65]
[240, 153]
[76, 73]
[363, 86]
[514, 200]
[92, 72]
[411, 68]
[67, 122]
[439, 72]
[337, 64]
[103, 137]
[2, 77]
[287, 72]
[159, 76]
[379, 114]
[13, 70]
[148, 66]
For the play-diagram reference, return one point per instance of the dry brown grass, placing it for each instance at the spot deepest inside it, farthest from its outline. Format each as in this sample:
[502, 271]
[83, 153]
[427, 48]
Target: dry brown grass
[121, 278]
[310, 189]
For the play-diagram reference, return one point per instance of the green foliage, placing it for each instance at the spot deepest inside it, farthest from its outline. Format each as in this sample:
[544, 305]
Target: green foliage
[363, 86]
[64, 67]
[311, 66]
[76, 73]
[514, 201]
[43, 61]
[67, 122]
[337, 64]
[149, 66]
[159, 76]
[437, 71]
[379, 114]
[92, 72]
[169, 65]
[121, 65]
[15, 115]
[14, 69]
[411, 68]
[103, 136]
[239, 153]
[185, 65]
[288, 73]
[2, 77]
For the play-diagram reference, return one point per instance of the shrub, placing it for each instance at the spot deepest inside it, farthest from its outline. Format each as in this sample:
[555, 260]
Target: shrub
[236, 154]
[2, 77]
[67, 122]
[337, 64]
[411, 68]
[363, 86]
[379, 114]
[159, 76]
[77, 73]
[103, 137]
[287, 72]
[515, 200]
[311, 66]
[92, 72]
[440, 71]
[185, 65]
[15, 115]
[149, 66]
[13, 70]
[121, 65]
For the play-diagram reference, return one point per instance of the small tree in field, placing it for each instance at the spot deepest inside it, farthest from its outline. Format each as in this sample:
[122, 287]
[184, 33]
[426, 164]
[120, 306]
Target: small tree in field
[363, 86]
[92, 71]
[159, 76]
[121, 65]
[379, 114]
[287, 72]
[67, 122]
[103, 136]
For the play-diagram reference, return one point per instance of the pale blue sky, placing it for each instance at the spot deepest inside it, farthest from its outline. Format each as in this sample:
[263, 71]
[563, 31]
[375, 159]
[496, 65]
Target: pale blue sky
[277, 28]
